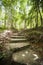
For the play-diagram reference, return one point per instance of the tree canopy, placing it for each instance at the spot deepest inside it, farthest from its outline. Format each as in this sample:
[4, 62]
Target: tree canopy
[21, 13]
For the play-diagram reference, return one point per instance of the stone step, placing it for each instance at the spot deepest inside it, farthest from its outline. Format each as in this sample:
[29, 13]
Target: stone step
[18, 34]
[17, 40]
[18, 37]
[16, 45]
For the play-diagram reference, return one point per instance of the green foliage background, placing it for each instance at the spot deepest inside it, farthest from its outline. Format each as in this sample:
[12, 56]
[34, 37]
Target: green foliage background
[21, 14]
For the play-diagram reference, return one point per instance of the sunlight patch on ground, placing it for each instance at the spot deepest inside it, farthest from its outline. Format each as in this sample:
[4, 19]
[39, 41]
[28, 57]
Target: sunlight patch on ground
[25, 56]
[36, 56]
[26, 52]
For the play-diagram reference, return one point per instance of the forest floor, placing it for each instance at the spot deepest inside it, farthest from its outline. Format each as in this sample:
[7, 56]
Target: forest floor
[26, 54]
[34, 35]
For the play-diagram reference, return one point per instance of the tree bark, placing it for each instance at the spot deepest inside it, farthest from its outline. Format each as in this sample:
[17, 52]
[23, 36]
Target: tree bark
[25, 24]
[5, 19]
[37, 19]
[41, 18]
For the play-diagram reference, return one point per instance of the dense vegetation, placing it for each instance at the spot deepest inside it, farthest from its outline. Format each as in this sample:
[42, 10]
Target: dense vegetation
[21, 13]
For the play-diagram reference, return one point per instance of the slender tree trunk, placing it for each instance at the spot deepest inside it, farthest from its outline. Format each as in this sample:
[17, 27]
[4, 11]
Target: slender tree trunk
[5, 19]
[15, 24]
[11, 24]
[31, 25]
[11, 20]
[41, 18]
[37, 19]
[25, 24]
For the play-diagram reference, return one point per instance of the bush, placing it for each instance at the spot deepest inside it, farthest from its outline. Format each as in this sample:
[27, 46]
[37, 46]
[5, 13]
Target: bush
[34, 36]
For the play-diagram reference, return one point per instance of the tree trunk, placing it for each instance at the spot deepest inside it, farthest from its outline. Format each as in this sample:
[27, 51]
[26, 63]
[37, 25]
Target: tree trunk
[11, 20]
[25, 24]
[15, 24]
[11, 24]
[37, 20]
[41, 18]
[30, 25]
[5, 19]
